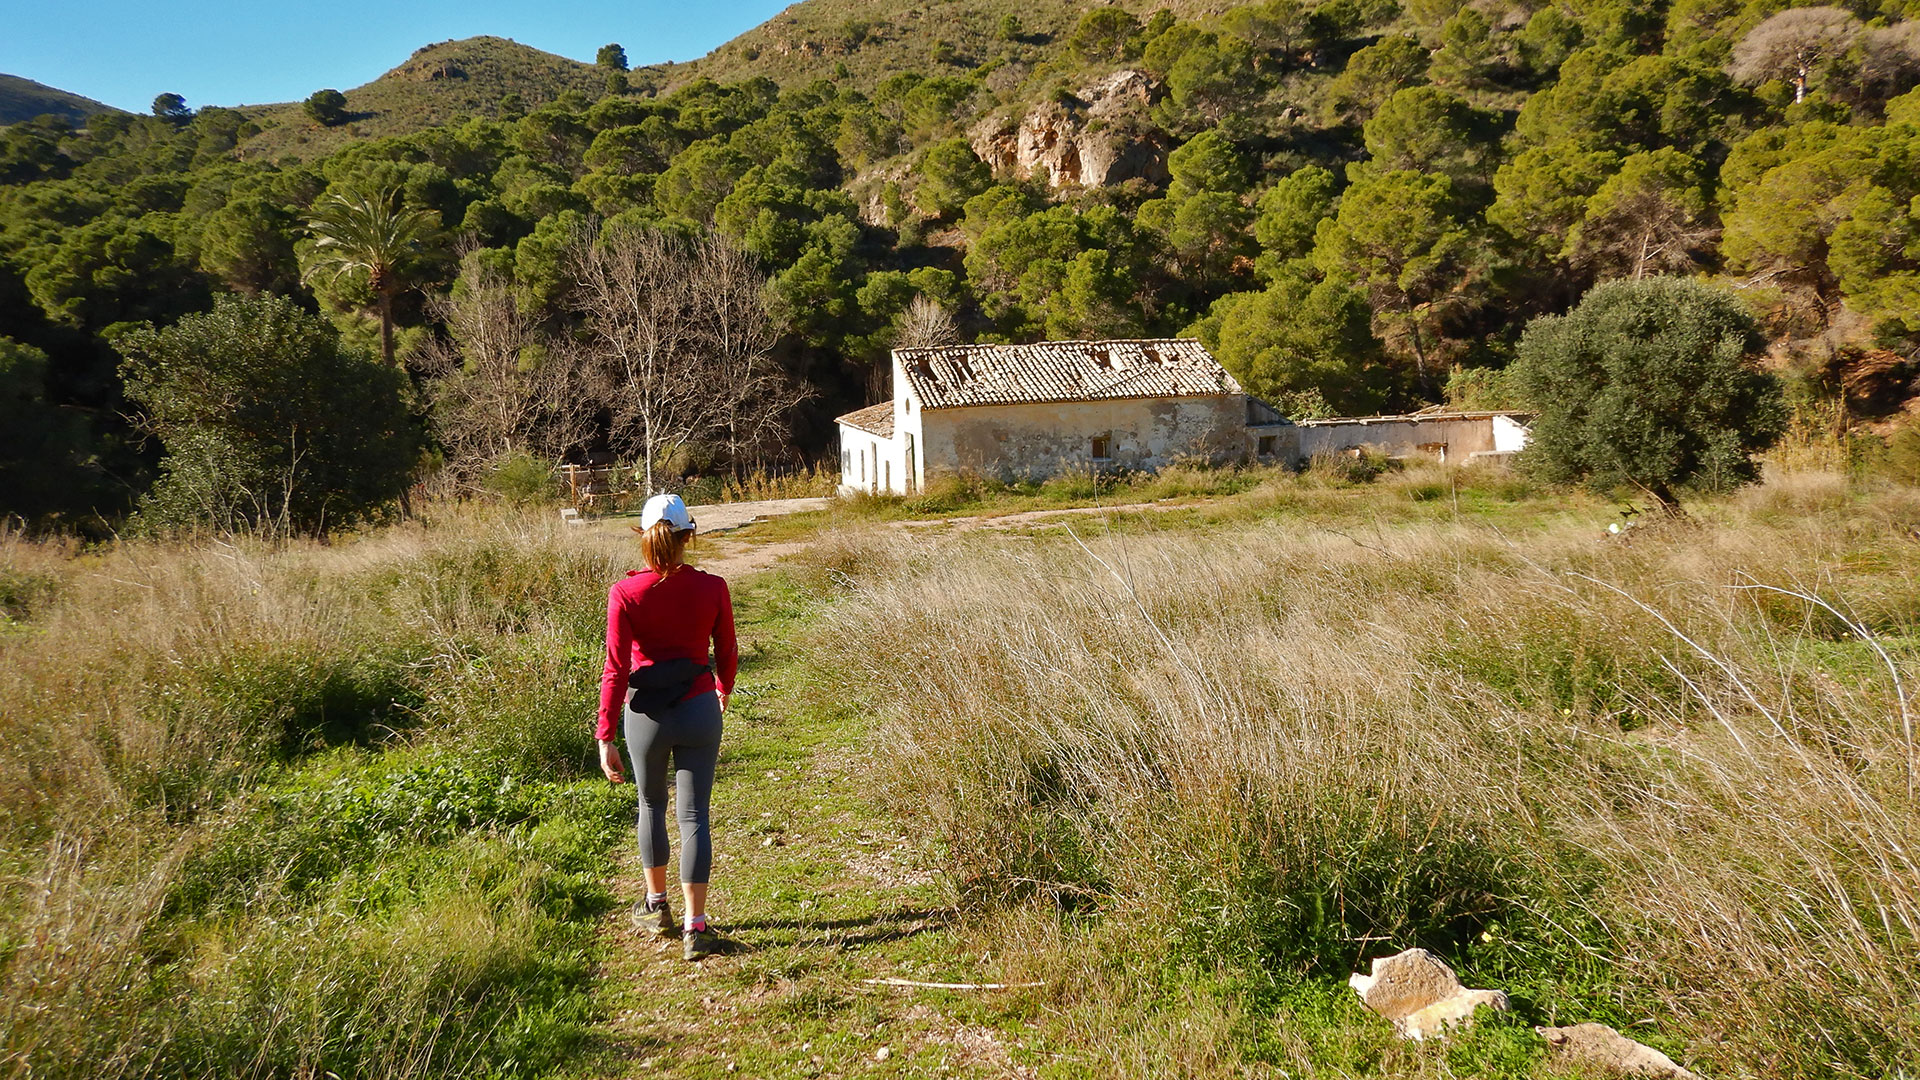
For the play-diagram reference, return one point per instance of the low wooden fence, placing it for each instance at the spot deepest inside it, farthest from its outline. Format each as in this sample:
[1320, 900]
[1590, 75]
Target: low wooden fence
[588, 485]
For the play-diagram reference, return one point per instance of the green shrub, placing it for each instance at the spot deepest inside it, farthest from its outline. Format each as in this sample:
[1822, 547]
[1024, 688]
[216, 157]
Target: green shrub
[233, 711]
[950, 493]
[523, 706]
[24, 592]
[523, 480]
[1651, 384]
[268, 421]
[484, 944]
[283, 844]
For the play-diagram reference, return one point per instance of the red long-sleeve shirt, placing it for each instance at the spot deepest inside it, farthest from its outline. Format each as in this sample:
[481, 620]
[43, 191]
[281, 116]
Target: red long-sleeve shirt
[652, 618]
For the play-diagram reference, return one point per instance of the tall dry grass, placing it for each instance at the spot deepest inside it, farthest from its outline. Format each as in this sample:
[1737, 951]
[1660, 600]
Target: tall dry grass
[1665, 776]
[264, 807]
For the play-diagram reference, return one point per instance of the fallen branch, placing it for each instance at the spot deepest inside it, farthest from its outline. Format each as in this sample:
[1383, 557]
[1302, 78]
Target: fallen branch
[950, 986]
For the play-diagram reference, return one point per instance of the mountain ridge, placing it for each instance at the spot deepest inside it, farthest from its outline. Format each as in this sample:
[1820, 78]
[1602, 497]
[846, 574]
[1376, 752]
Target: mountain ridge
[436, 84]
[22, 98]
[810, 40]
[807, 40]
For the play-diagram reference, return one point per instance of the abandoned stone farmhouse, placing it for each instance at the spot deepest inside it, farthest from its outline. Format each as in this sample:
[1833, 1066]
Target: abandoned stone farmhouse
[1032, 411]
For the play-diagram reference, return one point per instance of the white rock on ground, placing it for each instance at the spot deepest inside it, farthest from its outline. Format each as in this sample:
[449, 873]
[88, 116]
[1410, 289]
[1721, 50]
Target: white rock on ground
[1420, 994]
[1600, 1045]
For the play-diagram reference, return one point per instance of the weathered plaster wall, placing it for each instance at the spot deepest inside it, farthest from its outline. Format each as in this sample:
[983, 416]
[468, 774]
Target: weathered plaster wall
[1273, 443]
[1036, 441]
[1447, 439]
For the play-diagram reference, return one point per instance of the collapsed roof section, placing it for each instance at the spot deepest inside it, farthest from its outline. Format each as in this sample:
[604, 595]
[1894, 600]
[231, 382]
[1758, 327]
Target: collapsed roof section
[958, 376]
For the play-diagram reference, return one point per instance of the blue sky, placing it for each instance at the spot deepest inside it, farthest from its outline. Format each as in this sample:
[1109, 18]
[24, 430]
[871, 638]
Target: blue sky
[229, 52]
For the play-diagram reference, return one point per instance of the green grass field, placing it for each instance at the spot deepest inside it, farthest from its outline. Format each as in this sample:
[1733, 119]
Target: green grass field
[1162, 776]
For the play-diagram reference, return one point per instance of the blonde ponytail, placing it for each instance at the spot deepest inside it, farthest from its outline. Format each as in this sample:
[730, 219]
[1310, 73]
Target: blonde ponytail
[664, 547]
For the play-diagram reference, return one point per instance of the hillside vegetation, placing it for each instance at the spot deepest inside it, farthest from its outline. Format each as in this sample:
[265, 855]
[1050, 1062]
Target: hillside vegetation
[437, 85]
[24, 99]
[1359, 206]
[816, 38]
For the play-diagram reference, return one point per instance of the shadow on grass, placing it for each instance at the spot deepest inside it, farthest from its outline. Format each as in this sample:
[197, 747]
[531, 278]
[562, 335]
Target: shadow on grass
[845, 934]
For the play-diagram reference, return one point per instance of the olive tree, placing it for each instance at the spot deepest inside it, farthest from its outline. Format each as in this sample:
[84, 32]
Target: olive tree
[1651, 384]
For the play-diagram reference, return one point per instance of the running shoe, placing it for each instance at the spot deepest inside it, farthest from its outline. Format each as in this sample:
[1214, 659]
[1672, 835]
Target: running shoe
[700, 944]
[655, 916]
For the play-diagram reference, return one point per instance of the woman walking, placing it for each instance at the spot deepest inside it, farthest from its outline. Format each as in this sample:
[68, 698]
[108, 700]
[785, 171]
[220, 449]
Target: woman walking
[660, 674]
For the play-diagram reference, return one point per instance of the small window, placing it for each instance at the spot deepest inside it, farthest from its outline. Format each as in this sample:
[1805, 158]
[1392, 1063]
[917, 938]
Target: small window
[1102, 447]
[887, 480]
[1266, 445]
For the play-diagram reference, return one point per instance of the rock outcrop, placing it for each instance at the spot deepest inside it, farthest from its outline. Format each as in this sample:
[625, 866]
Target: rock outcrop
[1420, 994]
[1598, 1044]
[1097, 137]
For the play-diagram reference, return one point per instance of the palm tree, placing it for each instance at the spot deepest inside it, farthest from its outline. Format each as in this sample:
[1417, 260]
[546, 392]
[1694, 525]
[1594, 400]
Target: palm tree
[356, 232]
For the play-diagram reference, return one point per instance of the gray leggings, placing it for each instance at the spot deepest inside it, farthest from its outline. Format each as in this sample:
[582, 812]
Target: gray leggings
[690, 731]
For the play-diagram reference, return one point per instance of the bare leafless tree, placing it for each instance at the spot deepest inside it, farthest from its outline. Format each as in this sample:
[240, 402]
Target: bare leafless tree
[1795, 45]
[1652, 217]
[733, 342]
[926, 325]
[635, 300]
[495, 384]
[678, 336]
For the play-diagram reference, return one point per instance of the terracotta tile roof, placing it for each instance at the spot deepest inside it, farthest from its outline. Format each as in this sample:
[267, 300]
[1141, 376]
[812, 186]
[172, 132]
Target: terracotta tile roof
[962, 375]
[874, 419]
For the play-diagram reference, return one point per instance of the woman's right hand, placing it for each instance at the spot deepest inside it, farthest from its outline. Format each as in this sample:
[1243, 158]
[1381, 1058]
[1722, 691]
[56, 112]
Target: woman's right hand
[610, 762]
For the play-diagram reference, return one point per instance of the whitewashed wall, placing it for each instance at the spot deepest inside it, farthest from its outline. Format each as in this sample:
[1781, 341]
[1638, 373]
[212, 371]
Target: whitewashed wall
[870, 463]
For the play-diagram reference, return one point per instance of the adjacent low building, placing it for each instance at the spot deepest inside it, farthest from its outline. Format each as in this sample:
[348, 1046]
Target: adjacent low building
[1031, 411]
[1461, 437]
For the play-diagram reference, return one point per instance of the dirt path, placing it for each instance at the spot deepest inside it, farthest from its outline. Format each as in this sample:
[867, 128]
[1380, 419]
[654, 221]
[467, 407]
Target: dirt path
[722, 553]
[1043, 517]
[815, 891]
[814, 888]
[734, 556]
[725, 517]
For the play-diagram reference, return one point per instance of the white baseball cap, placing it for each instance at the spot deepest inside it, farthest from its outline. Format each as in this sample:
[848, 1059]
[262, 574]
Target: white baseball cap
[667, 508]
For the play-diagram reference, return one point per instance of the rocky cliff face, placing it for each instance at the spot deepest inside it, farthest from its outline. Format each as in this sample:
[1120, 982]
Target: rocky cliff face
[1098, 137]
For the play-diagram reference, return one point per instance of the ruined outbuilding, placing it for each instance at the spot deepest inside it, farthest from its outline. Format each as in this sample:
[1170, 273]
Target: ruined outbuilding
[1444, 435]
